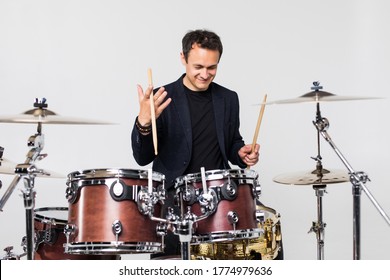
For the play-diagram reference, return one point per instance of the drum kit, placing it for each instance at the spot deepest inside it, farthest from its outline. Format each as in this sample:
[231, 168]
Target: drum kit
[119, 211]
[218, 213]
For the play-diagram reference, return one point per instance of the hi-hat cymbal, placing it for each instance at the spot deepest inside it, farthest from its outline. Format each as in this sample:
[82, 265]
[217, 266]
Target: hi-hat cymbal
[11, 168]
[41, 115]
[313, 177]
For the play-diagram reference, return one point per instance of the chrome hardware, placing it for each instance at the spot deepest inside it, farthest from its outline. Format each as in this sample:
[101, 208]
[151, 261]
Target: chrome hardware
[71, 193]
[144, 201]
[229, 190]
[260, 216]
[232, 217]
[208, 202]
[117, 229]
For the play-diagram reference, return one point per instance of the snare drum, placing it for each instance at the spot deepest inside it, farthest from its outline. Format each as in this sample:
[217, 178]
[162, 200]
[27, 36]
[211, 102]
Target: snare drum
[266, 247]
[110, 211]
[49, 224]
[227, 210]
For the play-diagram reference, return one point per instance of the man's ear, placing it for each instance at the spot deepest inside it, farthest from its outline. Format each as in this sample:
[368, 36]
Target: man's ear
[183, 59]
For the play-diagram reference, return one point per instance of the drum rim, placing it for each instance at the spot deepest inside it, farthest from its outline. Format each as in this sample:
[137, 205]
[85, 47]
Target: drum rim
[113, 247]
[216, 174]
[94, 173]
[219, 236]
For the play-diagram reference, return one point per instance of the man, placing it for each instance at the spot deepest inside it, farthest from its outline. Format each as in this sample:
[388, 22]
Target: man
[197, 121]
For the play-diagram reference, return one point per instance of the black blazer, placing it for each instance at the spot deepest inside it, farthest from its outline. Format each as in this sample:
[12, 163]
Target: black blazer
[175, 135]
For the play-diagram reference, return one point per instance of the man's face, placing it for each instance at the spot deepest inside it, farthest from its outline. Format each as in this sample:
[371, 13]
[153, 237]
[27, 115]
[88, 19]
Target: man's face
[201, 68]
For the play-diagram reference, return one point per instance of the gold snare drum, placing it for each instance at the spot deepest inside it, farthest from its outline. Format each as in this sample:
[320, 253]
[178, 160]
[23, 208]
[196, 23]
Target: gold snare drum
[265, 247]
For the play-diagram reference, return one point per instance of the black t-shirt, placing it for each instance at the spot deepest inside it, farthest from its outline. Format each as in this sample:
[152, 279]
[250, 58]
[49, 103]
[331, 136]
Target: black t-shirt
[205, 148]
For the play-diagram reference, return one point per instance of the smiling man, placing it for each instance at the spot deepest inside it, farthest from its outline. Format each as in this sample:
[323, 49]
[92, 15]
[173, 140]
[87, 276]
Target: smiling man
[197, 121]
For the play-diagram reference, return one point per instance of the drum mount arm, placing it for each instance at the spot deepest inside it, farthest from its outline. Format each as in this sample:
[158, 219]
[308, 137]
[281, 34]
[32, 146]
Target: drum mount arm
[183, 225]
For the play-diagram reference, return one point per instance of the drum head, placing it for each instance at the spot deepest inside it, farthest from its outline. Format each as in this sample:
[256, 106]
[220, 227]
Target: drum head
[51, 215]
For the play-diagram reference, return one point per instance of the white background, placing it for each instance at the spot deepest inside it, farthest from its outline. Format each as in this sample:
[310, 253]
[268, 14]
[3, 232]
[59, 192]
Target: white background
[86, 57]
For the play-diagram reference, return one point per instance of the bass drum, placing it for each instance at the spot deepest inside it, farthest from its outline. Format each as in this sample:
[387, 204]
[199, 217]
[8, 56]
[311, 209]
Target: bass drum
[266, 247]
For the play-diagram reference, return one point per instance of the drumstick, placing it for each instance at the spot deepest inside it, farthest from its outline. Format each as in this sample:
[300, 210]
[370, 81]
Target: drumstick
[258, 124]
[203, 175]
[150, 181]
[152, 112]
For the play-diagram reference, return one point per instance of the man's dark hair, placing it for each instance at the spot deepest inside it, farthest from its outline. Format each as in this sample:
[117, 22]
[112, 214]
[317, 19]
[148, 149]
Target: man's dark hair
[204, 38]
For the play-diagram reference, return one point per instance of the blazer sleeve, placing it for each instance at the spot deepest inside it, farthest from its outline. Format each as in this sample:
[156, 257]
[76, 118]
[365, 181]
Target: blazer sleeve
[235, 141]
[143, 149]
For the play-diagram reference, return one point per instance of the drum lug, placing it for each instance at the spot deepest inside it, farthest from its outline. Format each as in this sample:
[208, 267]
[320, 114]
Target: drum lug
[232, 217]
[144, 201]
[229, 190]
[260, 217]
[117, 229]
[208, 202]
[256, 189]
[160, 193]
[189, 195]
[71, 192]
[38, 239]
[48, 236]
[68, 230]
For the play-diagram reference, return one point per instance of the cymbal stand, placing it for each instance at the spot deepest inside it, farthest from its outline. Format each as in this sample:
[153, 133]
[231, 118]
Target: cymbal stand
[37, 142]
[319, 227]
[28, 171]
[358, 180]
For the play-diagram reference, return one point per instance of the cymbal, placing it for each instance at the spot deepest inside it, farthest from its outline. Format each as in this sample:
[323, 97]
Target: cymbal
[41, 115]
[313, 177]
[321, 96]
[9, 167]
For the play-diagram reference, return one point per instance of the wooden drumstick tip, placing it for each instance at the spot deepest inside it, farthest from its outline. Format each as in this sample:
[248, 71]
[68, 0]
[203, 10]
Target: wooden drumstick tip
[150, 80]
[255, 136]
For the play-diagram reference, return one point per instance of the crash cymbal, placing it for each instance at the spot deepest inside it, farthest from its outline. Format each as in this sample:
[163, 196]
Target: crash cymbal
[313, 177]
[41, 115]
[320, 96]
[11, 168]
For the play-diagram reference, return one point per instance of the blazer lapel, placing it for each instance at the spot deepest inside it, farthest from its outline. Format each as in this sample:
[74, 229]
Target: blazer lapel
[219, 114]
[181, 104]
